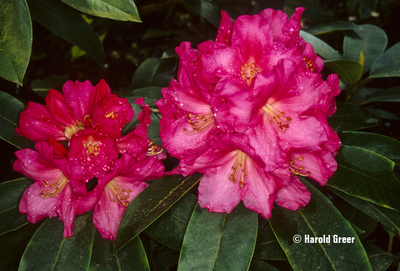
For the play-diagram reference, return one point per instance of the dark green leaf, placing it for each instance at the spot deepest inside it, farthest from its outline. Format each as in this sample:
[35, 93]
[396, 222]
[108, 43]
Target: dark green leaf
[219, 241]
[380, 144]
[382, 113]
[367, 7]
[320, 47]
[146, 92]
[10, 196]
[386, 95]
[67, 23]
[350, 71]
[49, 250]
[361, 94]
[267, 247]
[331, 27]
[15, 39]
[388, 65]
[41, 87]
[350, 117]
[10, 108]
[313, 11]
[364, 174]
[131, 257]
[369, 39]
[170, 228]
[155, 200]
[112, 9]
[318, 219]
[389, 218]
[258, 265]
[206, 9]
[379, 259]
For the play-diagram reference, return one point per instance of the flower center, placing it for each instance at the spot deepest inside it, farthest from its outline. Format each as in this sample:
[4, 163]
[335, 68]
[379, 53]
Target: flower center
[309, 64]
[153, 150]
[199, 123]
[239, 169]
[111, 115]
[70, 131]
[248, 72]
[277, 117]
[92, 147]
[54, 187]
[297, 169]
[117, 193]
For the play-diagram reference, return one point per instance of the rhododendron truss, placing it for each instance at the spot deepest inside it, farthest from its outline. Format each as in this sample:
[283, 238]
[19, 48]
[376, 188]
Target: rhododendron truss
[249, 111]
[90, 120]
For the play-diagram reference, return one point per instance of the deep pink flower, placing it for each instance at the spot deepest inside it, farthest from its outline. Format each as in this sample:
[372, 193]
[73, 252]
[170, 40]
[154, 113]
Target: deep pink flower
[51, 193]
[116, 190]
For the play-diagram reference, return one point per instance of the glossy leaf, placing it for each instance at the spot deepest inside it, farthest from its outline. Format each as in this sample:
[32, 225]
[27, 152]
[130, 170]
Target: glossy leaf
[361, 94]
[350, 71]
[41, 87]
[16, 40]
[258, 265]
[388, 65]
[267, 247]
[10, 108]
[380, 260]
[219, 241]
[382, 113]
[369, 39]
[331, 27]
[146, 92]
[364, 174]
[318, 219]
[389, 218]
[380, 144]
[155, 200]
[206, 9]
[386, 95]
[10, 196]
[49, 250]
[350, 117]
[112, 9]
[170, 228]
[320, 47]
[131, 257]
[67, 23]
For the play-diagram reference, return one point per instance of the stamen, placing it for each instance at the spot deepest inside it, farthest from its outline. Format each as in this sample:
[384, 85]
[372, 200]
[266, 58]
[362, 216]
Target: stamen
[309, 64]
[111, 115]
[153, 150]
[70, 131]
[278, 118]
[248, 72]
[296, 169]
[54, 187]
[239, 169]
[117, 193]
[199, 123]
[92, 147]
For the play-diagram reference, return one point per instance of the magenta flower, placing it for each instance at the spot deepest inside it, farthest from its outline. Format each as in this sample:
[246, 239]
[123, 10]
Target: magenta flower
[51, 193]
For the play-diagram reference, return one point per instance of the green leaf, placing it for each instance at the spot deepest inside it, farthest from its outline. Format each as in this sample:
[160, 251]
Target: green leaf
[382, 113]
[364, 174]
[369, 39]
[15, 39]
[386, 95]
[170, 228]
[219, 241]
[379, 259]
[318, 219]
[10, 196]
[67, 23]
[349, 117]
[389, 218]
[155, 200]
[208, 10]
[267, 246]
[320, 47]
[131, 257]
[360, 95]
[388, 65]
[146, 92]
[380, 144]
[41, 87]
[10, 108]
[350, 71]
[155, 72]
[331, 27]
[367, 7]
[49, 250]
[112, 9]
[258, 265]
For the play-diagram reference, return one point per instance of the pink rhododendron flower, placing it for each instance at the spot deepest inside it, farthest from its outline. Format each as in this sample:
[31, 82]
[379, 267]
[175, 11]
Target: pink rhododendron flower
[257, 107]
[51, 193]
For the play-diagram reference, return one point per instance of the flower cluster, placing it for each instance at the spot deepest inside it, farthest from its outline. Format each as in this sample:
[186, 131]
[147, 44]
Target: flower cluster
[89, 121]
[249, 111]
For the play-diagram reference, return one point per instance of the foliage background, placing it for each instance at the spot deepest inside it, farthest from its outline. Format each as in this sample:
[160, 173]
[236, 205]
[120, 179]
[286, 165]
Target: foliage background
[137, 59]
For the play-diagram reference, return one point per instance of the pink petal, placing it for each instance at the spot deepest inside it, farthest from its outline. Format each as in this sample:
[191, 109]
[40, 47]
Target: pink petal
[293, 195]
[225, 29]
[77, 97]
[59, 109]
[99, 93]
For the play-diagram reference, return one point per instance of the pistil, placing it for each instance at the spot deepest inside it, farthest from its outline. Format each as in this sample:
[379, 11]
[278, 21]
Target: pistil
[117, 193]
[199, 123]
[248, 72]
[277, 117]
[53, 187]
[239, 169]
